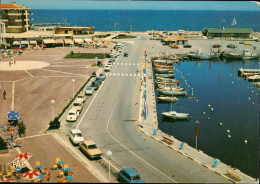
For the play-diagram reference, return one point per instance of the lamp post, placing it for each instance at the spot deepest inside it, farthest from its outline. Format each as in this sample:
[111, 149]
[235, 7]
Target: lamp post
[73, 83]
[52, 103]
[109, 154]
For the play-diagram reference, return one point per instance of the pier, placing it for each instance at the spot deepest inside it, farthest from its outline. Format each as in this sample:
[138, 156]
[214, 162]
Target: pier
[242, 72]
[49, 24]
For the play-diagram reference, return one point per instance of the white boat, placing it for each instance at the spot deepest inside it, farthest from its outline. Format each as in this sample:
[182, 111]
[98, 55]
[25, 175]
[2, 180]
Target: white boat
[166, 85]
[248, 54]
[167, 99]
[172, 92]
[202, 56]
[176, 115]
[165, 75]
[233, 55]
[234, 22]
[173, 88]
[254, 78]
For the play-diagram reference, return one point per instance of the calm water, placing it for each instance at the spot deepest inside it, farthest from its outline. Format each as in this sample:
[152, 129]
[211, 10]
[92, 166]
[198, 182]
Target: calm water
[212, 84]
[143, 20]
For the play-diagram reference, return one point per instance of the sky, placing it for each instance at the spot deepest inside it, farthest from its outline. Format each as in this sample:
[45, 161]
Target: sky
[139, 5]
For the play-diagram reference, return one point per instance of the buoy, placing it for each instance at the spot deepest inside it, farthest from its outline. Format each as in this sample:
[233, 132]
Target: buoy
[212, 109]
[203, 112]
[220, 124]
[249, 99]
[191, 88]
[245, 141]
[208, 117]
[228, 130]
[188, 74]
[252, 91]
[230, 74]
[256, 94]
[209, 105]
[229, 136]
[232, 82]
[253, 103]
[197, 100]
[188, 86]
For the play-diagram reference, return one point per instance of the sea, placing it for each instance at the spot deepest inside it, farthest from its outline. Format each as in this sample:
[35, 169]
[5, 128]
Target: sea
[235, 101]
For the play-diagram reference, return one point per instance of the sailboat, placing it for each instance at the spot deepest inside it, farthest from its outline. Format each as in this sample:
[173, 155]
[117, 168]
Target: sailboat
[234, 22]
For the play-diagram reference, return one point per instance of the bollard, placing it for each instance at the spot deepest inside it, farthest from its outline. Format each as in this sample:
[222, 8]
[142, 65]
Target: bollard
[215, 163]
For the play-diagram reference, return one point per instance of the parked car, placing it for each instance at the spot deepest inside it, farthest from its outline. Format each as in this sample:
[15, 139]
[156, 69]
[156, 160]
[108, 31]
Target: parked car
[89, 90]
[109, 64]
[90, 148]
[129, 175]
[95, 84]
[231, 46]
[81, 97]
[77, 105]
[73, 115]
[247, 43]
[103, 76]
[242, 42]
[125, 54]
[76, 136]
[107, 68]
[216, 45]
[113, 59]
[99, 79]
[187, 46]
[174, 46]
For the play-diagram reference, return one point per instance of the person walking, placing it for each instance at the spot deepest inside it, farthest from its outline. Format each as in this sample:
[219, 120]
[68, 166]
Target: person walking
[4, 94]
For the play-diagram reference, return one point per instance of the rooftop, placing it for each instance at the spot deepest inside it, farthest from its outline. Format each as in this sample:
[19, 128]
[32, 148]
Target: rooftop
[13, 6]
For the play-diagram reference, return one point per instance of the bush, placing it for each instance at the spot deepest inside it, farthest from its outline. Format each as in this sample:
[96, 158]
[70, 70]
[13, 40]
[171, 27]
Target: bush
[55, 124]
[3, 145]
[21, 128]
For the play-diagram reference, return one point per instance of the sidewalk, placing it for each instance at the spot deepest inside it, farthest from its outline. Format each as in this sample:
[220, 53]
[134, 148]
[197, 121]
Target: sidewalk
[147, 126]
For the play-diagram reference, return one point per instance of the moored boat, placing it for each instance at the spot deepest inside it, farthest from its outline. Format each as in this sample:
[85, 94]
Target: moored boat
[167, 99]
[176, 115]
[172, 92]
[248, 54]
[165, 75]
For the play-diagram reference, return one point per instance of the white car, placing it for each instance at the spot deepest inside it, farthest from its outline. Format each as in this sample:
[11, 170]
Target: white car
[107, 68]
[76, 136]
[72, 115]
[109, 64]
[89, 90]
[81, 98]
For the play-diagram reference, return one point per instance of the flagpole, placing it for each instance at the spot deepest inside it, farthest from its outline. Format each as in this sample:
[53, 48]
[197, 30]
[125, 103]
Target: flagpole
[196, 134]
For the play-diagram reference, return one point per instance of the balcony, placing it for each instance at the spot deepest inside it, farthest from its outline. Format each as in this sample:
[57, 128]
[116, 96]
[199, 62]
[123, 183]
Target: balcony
[16, 26]
[18, 20]
[28, 13]
[4, 20]
[15, 14]
[29, 19]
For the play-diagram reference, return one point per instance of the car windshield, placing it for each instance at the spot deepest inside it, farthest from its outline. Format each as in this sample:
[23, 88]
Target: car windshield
[71, 113]
[80, 96]
[101, 74]
[77, 104]
[89, 88]
[77, 135]
[135, 178]
[92, 146]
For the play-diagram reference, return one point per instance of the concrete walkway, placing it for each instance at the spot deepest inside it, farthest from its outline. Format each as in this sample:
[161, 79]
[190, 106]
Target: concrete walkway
[147, 126]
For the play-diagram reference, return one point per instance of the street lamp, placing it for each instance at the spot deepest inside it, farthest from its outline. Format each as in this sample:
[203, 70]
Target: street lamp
[109, 154]
[52, 102]
[73, 82]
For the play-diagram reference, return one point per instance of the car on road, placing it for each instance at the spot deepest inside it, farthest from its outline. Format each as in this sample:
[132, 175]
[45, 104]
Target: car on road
[99, 79]
[95, 84]
[231, 46]
[89, 90]
[125, 54]
[90, 149]
[77, 105]
[242, 42]
[76, 136]
[72, 116]
[216, 45]
[81, 97]
[112, 59]
[174, 46]
[130, 175]
[109, 64]
[107, 68]
[187, 46]
[103, 76]
[247, 43]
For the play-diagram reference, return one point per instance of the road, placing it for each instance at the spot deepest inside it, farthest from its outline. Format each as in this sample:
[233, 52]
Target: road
[112, 120]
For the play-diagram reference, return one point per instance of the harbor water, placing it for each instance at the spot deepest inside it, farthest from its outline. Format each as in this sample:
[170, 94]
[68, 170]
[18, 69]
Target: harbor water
[235, 104]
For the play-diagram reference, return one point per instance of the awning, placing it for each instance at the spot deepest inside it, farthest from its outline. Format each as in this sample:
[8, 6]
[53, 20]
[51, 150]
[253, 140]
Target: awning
[68, 41]
[88, 40]
[16, 43]
[78, 40]
[48, 41]
[32, 42]
[59, 41]
[24, 42]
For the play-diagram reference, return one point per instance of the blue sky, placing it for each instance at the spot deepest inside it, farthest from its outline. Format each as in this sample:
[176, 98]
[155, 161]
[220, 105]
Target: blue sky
[139, 5]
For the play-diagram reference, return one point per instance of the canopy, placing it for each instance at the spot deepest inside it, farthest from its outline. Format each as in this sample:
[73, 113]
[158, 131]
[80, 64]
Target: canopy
[24, 42]
[24, 156]
[32, 42]
[31, 174]
[78, 40]
[48, 41]
[68, 41]
[16, 43]
[13, 115]
[59, 41]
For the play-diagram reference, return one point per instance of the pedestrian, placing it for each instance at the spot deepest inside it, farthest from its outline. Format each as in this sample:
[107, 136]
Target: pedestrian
[4, 94]
[10, 63]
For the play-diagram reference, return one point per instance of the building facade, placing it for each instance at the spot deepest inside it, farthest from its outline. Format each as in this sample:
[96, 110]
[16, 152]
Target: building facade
[75, 30]
[228, 32]
[15, 18]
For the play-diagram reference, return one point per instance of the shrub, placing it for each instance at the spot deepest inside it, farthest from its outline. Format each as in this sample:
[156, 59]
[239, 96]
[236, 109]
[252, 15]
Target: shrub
[3, 145]
[21, 128]
[55, 124]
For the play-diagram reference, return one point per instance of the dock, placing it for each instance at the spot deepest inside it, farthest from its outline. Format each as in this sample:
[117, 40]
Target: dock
[242, 72]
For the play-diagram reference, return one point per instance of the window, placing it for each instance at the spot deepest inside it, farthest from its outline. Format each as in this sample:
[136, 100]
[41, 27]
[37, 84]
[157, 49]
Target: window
[66, 31]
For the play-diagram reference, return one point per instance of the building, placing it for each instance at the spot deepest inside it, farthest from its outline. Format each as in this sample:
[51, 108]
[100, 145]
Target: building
[75, 30]
[175, 39]
[228, 32]
[15, 18]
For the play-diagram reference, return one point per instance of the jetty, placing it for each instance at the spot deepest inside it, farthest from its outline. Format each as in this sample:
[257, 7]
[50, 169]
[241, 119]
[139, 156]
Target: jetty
[243, 72]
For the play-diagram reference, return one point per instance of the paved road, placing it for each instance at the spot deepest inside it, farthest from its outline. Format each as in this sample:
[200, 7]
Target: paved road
[112, 121]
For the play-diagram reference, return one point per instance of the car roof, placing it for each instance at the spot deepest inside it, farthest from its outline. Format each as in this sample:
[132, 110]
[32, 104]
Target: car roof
[73, 110]
[131, 171]
[74, 131]
[89, 142]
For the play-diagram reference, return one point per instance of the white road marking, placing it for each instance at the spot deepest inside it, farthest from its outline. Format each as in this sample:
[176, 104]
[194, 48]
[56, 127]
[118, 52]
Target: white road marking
[122, 74]
[126, 74]
[130, 75]
[138, 75]
[125, 63]
[130, 64]
[117, 63]
[114, 74]
[118, 74]
[122, 63]
[133, 63]
[134, 75]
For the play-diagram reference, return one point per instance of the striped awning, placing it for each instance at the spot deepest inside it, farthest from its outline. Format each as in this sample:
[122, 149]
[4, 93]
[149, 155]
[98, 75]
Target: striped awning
[24, 42]
[48, 41]
[32, 42]
[78, 40]
[16, 43]
[68, 41]
[59, 41]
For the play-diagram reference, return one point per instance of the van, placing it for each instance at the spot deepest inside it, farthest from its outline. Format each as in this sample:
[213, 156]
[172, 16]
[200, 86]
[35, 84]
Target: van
[95, 84]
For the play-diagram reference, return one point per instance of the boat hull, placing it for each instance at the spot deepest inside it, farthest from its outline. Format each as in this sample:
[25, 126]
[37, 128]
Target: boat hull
[177, 116]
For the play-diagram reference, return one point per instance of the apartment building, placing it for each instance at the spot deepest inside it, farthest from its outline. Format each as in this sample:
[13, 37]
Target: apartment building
[15, 18]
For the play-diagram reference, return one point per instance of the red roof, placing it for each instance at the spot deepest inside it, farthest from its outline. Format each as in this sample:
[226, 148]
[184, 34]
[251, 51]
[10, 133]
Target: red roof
[12, 5]
[175, 38]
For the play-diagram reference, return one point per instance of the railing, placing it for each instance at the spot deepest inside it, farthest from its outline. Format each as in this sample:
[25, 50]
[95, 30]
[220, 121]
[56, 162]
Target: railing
[14, 14]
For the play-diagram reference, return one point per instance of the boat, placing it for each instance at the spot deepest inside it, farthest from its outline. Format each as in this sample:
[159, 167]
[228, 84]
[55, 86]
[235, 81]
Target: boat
[254, 78]
[176, 115]
[202, 56]
[165, 75]
[172, 92]
[163, 66]
[160, 70]
[233, 55]
[248, 54]
[167, 99]
[166, 85]
[168, 82]
[173, 88]
[158, 79]
[163, 62]
[234, 22]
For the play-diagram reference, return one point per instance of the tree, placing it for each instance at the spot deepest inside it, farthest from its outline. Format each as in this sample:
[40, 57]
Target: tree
[55, 124]
[21, 128]
[3, 145]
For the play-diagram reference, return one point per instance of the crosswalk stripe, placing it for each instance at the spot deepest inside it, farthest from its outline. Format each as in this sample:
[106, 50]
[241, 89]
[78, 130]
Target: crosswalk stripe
[130, 74]
[122, 63]
[122, 74]
[118, 74]
[133, 63]
[134, 74]
[126, 74]
[110, 74]
[138, 74]
[130, 64]
[114, 74]
[125, 63]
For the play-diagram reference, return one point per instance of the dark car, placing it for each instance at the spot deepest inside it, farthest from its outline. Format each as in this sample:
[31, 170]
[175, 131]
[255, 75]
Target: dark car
[102, 76]
[125, 54]
[242, 42]
[129, 175]
[187, 46]
[95, 84]
[231, 46]
[216, 45]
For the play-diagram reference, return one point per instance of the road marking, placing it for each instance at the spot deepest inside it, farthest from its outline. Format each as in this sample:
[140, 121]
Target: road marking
[122, 74]
[134, 75]
[125, 63]
[126, 74]
[37, 135]
[138, 64]
[28, 73]
[114, 74]
[118, 74]
[117, 63]
[130, 75]
[133, 63]
[138, 75]
[122, 63]
[130, 64]
[110, 73]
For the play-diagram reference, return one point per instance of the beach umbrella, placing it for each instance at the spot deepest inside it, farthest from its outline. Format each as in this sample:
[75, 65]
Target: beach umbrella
[24, 156]
[13, 115]
[31, 175]
[7, 180]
